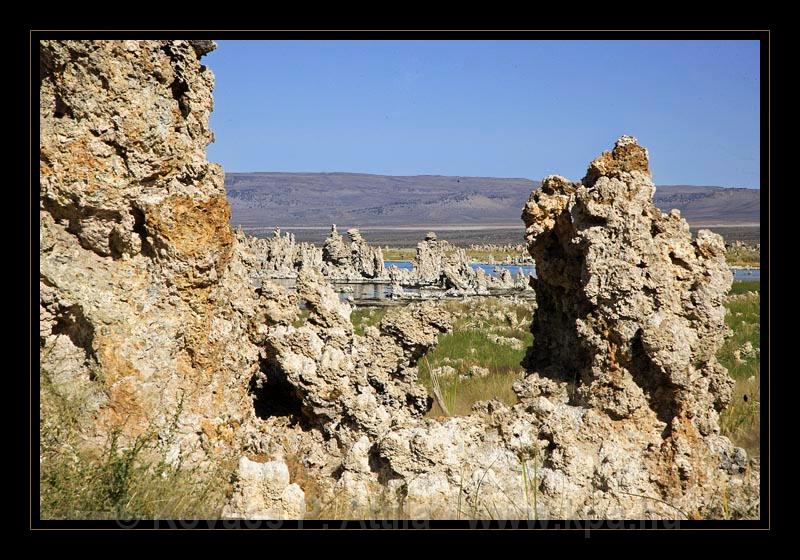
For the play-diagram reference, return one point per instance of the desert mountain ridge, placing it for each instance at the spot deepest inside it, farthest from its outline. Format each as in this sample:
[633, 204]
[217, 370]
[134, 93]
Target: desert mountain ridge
[319, 199]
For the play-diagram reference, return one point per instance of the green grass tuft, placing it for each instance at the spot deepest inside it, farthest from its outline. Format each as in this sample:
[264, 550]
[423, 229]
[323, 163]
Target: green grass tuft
[741, 421]
[744, 287]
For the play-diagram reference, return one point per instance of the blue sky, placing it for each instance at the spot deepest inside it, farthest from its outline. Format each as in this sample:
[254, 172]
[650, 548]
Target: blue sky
[487, 108]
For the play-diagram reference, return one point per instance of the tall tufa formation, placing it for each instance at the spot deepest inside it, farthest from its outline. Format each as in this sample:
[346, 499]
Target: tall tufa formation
[440, 263]
[334, 250]
[629, 305]
[630, 308]
[368, 261]
[142, 315]
[353, 262]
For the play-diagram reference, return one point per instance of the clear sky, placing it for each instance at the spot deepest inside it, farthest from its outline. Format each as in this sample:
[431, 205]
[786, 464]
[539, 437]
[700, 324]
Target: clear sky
[487, 108]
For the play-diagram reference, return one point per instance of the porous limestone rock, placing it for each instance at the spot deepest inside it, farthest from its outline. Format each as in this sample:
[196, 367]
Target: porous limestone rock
[442, 264]
[279, 256]
[334, 250]
[141, 299]
[348, 385]
[355, 262]
[618, 414]
[629, 305]
[630, 314]
[367, 261]
[263, 491]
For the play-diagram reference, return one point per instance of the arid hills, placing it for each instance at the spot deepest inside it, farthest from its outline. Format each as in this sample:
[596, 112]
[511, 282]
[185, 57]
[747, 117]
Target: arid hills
[319, 199]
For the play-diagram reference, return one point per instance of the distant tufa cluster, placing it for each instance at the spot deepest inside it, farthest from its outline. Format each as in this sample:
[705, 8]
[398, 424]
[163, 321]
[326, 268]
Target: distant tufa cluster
[437, 264]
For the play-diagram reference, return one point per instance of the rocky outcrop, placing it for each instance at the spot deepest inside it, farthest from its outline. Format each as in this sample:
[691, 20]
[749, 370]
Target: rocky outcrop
[263, 491]
[141, 299]
[367, 261]
[355, 262]
[440, 263]
[334, 250]
[147, 314]
[438, 266]
[631, 316]
[630, 307]
[279, 256]
[617, 417]
[349, 385]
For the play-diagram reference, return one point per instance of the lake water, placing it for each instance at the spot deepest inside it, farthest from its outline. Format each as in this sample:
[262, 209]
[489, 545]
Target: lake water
[376, 292]
[487, 268]
[738, 273]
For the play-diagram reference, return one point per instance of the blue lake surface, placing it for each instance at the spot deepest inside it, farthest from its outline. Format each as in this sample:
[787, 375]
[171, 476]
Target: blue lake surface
[738, 273]
[487, 268]
[406, 265]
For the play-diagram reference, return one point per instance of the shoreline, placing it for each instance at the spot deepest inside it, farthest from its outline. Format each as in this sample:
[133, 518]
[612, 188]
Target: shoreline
[451, 227]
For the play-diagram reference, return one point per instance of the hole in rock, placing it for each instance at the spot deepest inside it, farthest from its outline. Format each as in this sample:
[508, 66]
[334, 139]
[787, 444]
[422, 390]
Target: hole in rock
[61, 109]
[273, 395]
[379, 465]
[677, 261]
[140, 229]
[72, 323]
[179, 89]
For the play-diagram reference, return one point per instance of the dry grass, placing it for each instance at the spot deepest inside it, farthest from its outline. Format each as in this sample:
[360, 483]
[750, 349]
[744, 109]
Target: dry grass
[744, 255]
[399, 254]
[122, 481]
[493, 256]
[363, 317]
[469, 346]
[408, 254]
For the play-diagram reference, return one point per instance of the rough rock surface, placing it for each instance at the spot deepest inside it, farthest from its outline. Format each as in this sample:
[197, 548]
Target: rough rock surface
[439, 262]
[618, 417]
[629, 306]
[353, 262]
[367, 261]
[263, 491]
[279, 256]
[348, 385]
[630, 315]
[334, 249]
[141, 299]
